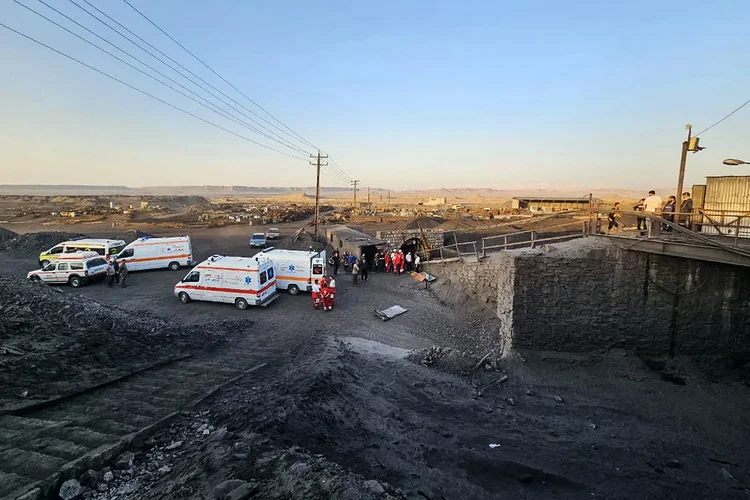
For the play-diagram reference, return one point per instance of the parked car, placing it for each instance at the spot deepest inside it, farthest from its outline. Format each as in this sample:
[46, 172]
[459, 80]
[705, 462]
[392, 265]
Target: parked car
[258, 240]
[273, 233]
[75, 269]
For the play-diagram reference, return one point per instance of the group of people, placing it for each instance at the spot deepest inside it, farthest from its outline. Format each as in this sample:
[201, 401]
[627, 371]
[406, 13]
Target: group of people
[117, 273]
[324, 293]
[399, 262]
[396, 261]
[654, 205]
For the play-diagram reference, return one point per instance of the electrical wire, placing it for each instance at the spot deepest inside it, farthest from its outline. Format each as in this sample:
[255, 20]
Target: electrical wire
[38, 42]
[144, 16]
[173, 68]
[210, 106]
[725, 117]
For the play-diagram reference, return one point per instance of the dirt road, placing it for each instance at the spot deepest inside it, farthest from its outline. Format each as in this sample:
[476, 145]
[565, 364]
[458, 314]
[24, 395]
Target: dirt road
[338, 412]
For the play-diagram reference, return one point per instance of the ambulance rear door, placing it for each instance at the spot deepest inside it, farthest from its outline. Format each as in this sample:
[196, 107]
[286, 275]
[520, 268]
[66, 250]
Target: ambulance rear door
[266, 282]
[318, 267]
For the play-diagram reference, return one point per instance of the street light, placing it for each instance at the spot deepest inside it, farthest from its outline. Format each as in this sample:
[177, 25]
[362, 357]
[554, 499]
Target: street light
[733, 162]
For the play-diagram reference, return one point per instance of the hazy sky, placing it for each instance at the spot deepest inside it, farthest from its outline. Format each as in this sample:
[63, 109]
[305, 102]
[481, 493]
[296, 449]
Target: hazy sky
[403, 94]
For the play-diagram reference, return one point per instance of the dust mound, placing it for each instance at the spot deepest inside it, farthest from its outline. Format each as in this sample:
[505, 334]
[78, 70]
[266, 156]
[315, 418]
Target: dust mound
[131, 235]
[78, 341]
[425, 222]
[37, 242]
[6, 235]
[304, 241]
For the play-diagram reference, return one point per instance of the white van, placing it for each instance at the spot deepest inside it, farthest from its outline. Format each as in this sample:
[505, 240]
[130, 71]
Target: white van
[75, 269]
[296, 269]
[242, 281]
[158, 253]
[105, 248]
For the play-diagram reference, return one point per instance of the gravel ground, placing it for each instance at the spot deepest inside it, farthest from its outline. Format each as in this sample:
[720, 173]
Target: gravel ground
[339, 412]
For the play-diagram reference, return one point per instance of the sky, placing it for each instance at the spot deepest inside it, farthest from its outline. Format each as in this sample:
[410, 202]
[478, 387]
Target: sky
[401, 94]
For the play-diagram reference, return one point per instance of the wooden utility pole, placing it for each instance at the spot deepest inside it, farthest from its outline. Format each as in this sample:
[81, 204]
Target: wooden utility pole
[318, 164]
[354, 189]
[368, 196]
[389, 197]
[683, 163]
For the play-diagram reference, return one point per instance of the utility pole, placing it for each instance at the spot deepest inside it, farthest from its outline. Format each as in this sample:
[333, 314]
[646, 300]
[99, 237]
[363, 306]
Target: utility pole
[354, 189]
[318, 164]
[368, 196]
[389, 197]
[691, 144]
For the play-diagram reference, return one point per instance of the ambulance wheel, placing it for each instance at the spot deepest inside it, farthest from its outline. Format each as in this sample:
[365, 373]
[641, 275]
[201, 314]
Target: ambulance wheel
[44, 263]
[174, 266]
[75, 281]
[292, 289]
[36, 279]
[241, 304]
[184, 297]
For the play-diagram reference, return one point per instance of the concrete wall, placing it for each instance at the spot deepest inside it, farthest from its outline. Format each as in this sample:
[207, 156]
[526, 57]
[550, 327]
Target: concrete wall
[588, 294]
[435, 237]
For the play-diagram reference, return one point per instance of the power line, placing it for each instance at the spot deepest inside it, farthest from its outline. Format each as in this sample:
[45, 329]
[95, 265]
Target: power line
[218, 75]
[210, 105]
[145, 93]
[282, 139]
[725, 117]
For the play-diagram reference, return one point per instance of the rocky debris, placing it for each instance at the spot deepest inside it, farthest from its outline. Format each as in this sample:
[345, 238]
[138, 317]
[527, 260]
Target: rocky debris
[125, 461]
[71, 489]
[451, 360]
[6, 235]
[79, 339]
[558, 399]
[226, 487]
[34, 243]
[108, 476]
[90, 478]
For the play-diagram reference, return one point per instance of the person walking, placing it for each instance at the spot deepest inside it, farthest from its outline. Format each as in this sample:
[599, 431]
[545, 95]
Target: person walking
[686, 209]
[325, 297]
[612, 217]
[407, 257]
[111, 274]
[652, 205]
[387, 261]
[363, 268]
[355, 273]
[316, 294]
[641, 221]
[123, 274]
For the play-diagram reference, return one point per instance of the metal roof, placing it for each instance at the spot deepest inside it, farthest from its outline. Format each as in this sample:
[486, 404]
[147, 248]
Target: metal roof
[348, 234]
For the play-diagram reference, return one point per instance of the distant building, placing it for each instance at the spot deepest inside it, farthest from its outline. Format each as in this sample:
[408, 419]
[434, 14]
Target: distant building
[346, 239]
[144, 205]
[436, 201]
[553, 204]
[69, 214]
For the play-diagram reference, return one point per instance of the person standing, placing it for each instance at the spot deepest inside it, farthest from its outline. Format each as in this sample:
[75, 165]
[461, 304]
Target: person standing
[363, 268]
[111, 274]
[352, 260]
[612, 217]
[355, 272]
[387, 261]
[336, 262]
[641, 221]
[686, 209]
[316, 294]
[651, 205]
[669, 211]
[116, 267]
[123, 274]
[407, 257]
[417, 262]
[381, 262]
[332, 289]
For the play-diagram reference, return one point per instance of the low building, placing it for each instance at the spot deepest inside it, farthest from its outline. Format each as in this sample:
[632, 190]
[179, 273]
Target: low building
[724, 205]
[554, 204]
[436, 201]
[345, 239]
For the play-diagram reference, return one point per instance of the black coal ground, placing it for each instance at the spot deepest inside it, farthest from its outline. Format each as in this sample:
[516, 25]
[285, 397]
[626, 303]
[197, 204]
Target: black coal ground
[339, 413]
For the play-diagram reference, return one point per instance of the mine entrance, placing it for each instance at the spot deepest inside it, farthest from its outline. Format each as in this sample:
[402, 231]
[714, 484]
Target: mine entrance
[411, 245]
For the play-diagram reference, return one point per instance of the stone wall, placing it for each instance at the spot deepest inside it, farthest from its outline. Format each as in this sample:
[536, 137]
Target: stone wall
[589, 294]
[436, 237]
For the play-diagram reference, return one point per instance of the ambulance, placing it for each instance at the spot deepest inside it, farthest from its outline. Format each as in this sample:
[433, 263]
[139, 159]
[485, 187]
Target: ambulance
[158, 253]
[296, 269]
[105, 248]
[242, 281]
[74, 268]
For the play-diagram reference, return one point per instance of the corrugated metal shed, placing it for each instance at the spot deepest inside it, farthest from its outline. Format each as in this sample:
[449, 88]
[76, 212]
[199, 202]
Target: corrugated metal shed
[729, 194]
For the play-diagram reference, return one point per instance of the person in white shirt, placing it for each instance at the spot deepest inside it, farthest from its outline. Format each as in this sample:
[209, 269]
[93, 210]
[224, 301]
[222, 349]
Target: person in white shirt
[316, 294]
[652, 204]
[408, 262]
[417, 262]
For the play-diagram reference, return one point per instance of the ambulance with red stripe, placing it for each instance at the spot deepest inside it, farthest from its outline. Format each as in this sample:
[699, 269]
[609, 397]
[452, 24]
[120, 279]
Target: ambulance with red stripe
[296, 269]
[158, 253]
[73, 268]
[242, 281]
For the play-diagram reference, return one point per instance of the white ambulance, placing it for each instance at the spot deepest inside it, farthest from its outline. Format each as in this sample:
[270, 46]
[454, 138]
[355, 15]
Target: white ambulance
[105, 248]
[296, 269]
[158, 253]
[242, 281]
[75, 269]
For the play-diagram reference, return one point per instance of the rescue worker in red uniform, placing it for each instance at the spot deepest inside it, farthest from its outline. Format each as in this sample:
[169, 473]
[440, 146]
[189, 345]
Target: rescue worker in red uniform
[316, 294]
[325, 297]
[332, 289]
